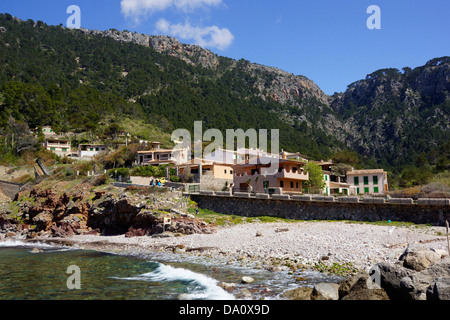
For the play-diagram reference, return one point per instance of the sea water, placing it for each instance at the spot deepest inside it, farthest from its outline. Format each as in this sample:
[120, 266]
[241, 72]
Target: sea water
[29, 275]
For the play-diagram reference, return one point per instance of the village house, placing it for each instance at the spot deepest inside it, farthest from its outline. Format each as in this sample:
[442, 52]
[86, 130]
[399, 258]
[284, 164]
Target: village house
[60, 147]
[256, 173]
[48, 131]
[211, 175]
[234, 157]
[158, 156]
[90, 150]
[293, 156]
[334, 184]
[368, 182]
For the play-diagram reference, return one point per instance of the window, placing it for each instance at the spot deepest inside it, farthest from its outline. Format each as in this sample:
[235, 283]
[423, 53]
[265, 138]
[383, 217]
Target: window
[376, 190]
[53, 149]
[366, 190]
[296, 185]
[225, 171]
[375, 179]
[281, 184]
[292, 185]
[356, 180]
[366, 181]
[326, 177]
[64, 149]
[91, 149]
[357, 190]
[231, 171]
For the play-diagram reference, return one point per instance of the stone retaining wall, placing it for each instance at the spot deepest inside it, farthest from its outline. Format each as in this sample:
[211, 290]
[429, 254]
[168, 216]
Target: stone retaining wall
[424, 211]
[10, 189]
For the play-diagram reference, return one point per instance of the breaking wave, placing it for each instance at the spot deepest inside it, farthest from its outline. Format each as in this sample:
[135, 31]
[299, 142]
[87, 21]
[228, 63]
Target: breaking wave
[199, 286]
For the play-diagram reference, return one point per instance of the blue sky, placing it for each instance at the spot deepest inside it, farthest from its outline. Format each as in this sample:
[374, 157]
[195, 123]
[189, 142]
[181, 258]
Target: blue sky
[325, 40]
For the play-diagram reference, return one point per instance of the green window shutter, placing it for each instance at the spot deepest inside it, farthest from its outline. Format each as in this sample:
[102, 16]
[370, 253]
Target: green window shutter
[357, 190]
[376, 190]
[366, 180]
[375, 179]
[366, 190]
[356, 180]
[53, 149]
[326, 178]
[64, 149]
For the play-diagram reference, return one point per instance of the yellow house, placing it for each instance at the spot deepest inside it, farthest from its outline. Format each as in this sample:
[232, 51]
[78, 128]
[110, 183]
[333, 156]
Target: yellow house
[204, 167]
[59, 146]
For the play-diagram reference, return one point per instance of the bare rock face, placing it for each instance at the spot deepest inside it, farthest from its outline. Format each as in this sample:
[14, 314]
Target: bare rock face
[191, 54]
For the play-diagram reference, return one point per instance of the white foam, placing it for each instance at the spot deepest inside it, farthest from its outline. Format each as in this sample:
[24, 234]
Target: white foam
[21, 243]
[206, 288]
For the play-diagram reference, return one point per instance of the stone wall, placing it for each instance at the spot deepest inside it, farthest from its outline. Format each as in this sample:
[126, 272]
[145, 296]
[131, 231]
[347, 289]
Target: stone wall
[10, 189]
[212, 183]
[324, 209]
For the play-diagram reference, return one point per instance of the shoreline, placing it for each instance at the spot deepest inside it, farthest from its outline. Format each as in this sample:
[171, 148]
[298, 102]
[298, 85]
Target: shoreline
[340, 246]
[280, 256]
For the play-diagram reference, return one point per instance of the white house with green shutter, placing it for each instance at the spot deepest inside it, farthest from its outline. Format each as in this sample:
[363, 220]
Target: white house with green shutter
[91, 150]
[372, 182]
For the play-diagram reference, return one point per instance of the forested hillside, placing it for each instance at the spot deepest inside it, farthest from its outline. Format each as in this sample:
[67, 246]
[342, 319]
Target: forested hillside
[70, 79]
[74, 80]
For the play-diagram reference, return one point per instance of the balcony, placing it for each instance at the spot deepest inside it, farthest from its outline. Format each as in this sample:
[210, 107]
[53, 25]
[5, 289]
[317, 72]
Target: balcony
[281, 174]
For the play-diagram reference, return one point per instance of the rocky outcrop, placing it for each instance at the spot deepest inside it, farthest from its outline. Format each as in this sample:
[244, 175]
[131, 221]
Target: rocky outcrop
[123, 216]
[47, 213]
[191, 54]
[357, 287]
[419, 274]
[361, 287]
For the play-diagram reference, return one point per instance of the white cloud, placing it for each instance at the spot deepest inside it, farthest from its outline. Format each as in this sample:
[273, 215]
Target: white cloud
[136, 9]
[212, 36]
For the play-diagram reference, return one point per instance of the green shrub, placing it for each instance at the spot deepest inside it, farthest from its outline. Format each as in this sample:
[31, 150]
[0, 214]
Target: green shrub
[119, 172]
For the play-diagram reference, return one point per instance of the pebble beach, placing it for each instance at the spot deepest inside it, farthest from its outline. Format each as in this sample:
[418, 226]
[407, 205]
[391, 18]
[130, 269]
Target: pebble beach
[360, 245]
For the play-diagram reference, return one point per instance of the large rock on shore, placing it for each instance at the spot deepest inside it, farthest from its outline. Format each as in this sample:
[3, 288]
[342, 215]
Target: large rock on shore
[325, 291]
[417, 275]
[361, 287]
[302, 293]
[418, 257]
[439, 289]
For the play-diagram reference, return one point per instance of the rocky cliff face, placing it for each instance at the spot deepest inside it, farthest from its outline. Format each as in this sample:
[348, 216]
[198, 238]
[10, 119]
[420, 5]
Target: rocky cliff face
[46, 212]
[391, 111]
